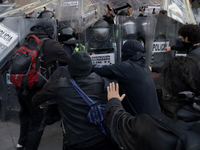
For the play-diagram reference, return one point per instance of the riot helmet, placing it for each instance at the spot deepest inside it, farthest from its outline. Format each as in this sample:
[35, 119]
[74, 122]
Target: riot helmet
[46, 14]
[66, 34]
[129, 29]
[101, 30]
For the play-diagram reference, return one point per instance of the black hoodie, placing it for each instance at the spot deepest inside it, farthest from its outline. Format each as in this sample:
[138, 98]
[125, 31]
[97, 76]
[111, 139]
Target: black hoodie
[52, 50]
[135, 80]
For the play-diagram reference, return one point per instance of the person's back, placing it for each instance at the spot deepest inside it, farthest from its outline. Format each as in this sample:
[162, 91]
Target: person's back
[135, 80]
[176, 128]
[33, 119]
[145, 131]
[79, 133]
[52, 50]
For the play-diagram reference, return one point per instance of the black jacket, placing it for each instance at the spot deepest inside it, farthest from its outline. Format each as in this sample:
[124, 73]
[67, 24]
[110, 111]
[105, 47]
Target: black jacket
[135, 80]
[158, 132]
[70, 48]
[78, 131]
[52, 50]
[193, 51]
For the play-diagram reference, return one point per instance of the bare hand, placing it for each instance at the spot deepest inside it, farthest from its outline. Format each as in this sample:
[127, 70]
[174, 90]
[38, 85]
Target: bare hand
[111, 7]
[114, 93]
[167, 49]
[150, 68]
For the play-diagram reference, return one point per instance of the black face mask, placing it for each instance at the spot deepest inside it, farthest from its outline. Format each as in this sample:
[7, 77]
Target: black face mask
[187, 45]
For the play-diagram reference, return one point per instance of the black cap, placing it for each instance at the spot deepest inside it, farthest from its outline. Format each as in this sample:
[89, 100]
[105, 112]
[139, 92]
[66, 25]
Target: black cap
[80, 64]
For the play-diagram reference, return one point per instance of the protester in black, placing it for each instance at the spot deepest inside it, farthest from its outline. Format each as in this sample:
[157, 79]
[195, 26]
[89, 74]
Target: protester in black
[78, 132]
[177, 128]
[190, 34]
[134, 78]
[33, 119]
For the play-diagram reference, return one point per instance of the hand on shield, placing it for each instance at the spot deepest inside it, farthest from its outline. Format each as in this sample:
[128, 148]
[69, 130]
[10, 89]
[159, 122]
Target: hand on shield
[114, 92]
[167, 49]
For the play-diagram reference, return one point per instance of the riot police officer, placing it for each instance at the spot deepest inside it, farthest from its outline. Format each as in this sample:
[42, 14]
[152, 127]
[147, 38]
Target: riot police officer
[131, 30]
[99, 38]
[67, 37]
[46, 14]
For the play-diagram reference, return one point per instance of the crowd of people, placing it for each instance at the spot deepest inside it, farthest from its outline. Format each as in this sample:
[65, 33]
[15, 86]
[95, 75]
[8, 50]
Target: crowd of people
[134, 121]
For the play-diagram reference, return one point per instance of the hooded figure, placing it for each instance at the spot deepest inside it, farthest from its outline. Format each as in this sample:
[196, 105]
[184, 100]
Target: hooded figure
[134, 78]
[43, 28]
[83, 134]
[133, 50]
[177, 127]
[52, 50]
[32, 118]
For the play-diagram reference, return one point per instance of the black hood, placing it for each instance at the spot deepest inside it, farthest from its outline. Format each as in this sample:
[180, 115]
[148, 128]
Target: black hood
[39, 33]
[44, 27]
[134, 50]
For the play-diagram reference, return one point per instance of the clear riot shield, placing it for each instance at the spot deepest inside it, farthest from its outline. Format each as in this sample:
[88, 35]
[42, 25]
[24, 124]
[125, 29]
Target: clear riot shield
[10, 35]
[166, 34]
[6, 7]
[119, 3]
[34, 6]
[101, 42]
[179, 10]
[11, 30]
[31, 22]
[141, 29]
[80, 13]
[44, 5]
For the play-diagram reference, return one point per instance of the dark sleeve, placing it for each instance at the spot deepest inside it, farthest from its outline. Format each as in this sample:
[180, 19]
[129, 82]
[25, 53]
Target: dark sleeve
[118, 121]
[46, 94]
[103, 71]
[124, 128]
[115, 71]
[178, 48]
[53, 51]
[61, 54]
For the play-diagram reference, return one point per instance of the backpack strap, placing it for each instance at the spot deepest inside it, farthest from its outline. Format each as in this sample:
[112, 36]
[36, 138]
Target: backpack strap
[40, 55]
[93, 109]
[88, 100]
